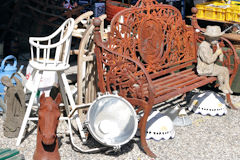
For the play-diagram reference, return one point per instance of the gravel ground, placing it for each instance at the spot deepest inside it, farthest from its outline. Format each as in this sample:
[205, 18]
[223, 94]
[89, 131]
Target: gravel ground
[207, 138]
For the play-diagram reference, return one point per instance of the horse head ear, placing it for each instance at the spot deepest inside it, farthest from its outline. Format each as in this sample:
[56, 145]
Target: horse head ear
[58, 99]
[42, 98]
[54, 91]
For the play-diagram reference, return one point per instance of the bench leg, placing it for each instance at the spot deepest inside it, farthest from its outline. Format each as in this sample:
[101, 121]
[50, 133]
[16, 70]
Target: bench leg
[229, 101]
[142, 123]
[143, 132]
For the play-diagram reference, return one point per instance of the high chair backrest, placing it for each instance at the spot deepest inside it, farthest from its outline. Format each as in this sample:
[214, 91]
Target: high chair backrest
[55, 48]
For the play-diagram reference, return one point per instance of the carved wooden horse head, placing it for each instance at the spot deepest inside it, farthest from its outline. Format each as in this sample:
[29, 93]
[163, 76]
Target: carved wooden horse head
[47, 143]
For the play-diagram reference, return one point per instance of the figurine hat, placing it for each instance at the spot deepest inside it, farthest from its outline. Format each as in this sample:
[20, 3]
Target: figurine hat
[213, 31]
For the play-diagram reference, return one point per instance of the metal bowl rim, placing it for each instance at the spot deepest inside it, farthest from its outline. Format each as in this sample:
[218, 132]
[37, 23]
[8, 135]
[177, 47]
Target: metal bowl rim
[131, 108]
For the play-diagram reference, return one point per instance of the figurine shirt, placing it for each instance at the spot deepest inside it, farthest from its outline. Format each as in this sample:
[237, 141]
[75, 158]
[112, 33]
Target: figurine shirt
[206, 59]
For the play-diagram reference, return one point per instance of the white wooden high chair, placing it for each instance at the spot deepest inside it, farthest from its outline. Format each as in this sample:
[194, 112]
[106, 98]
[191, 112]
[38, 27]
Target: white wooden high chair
[50, 53]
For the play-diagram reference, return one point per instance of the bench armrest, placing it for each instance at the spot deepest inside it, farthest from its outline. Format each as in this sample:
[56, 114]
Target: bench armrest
[101, 46]
[231, 60]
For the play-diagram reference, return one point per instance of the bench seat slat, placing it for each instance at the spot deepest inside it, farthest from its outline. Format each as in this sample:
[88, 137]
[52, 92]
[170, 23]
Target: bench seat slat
[176, 84]
[172, 75]
[173, 79]
[183, 83]
[172, 69]
[185, 89]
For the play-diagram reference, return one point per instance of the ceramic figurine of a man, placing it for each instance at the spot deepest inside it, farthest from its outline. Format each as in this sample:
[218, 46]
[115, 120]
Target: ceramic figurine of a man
[206, 58]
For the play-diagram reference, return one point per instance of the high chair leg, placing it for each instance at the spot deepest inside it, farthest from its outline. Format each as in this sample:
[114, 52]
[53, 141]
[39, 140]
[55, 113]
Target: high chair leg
[29, 107]
[63, 93]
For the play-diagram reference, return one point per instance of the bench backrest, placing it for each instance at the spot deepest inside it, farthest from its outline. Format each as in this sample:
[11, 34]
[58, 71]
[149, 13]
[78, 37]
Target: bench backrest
[153, 33]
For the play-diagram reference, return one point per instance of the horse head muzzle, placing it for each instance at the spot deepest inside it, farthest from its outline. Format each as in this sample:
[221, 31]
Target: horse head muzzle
[49, 139]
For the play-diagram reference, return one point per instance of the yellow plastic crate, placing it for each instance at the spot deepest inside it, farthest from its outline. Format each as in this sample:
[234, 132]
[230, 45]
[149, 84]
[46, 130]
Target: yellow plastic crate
[212, 10]
[201, 10]
[216, 11]
[233, 13]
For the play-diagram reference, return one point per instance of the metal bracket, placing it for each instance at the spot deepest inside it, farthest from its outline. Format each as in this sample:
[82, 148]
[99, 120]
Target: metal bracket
[114, 149]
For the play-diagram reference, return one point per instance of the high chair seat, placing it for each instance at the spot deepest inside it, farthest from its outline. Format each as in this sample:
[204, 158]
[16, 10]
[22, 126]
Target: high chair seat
[50, 66]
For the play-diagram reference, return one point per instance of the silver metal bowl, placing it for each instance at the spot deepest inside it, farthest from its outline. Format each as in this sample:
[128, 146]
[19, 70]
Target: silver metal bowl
[112, 120]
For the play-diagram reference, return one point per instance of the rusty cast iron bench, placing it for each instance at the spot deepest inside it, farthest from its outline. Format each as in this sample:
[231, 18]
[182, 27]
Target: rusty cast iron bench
[150, 57]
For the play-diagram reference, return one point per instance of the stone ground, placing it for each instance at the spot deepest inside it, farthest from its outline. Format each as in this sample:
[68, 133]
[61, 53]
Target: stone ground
[208, 138]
